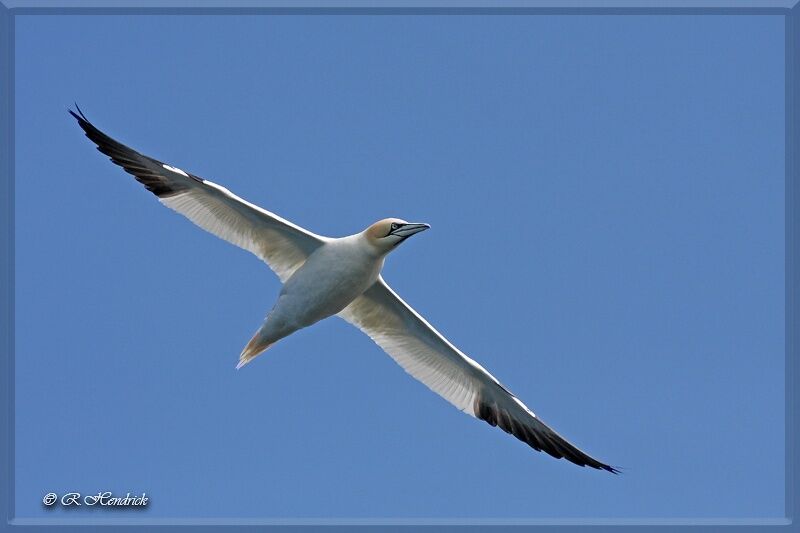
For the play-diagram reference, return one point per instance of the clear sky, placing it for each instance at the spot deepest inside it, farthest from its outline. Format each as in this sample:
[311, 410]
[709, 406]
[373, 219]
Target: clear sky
[606, 196]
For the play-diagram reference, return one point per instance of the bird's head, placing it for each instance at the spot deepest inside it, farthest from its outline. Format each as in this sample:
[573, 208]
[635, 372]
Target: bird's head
[386, 234]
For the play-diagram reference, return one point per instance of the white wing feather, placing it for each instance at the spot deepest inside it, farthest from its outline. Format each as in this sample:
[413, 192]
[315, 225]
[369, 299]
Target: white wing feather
[425, 354]
[282, 245]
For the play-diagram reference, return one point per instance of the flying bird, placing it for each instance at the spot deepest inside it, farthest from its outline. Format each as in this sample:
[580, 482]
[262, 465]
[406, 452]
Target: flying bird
[325, 276]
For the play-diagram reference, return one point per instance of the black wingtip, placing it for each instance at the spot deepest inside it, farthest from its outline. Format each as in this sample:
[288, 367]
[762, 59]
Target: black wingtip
[80, 117]
[81, 112]
[593, 463]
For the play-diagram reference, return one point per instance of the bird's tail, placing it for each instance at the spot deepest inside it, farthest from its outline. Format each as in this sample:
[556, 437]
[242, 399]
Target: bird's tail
[257, 344]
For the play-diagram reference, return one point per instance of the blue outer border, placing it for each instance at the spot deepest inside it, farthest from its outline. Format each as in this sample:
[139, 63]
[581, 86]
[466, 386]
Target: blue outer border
[792, 192]
[7, 254]
[447, 5]
[792, 111]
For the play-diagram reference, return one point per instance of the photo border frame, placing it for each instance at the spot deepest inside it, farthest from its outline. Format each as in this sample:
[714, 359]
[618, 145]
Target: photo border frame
[9, 9]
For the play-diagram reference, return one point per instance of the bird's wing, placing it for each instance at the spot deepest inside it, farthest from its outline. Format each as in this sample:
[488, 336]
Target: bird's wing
[425, 354]
[282, 245]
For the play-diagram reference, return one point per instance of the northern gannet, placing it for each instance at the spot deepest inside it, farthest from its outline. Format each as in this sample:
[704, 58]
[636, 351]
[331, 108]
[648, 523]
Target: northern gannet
[325, 276]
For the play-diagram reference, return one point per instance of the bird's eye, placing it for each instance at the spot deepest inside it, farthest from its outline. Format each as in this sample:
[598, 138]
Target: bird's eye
[394, 225]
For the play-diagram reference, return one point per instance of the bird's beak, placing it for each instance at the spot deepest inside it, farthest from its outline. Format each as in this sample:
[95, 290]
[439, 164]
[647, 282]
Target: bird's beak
[407, 230]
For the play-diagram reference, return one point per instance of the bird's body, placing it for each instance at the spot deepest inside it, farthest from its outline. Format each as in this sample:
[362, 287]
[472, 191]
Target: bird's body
[324, 276]
[334, 275]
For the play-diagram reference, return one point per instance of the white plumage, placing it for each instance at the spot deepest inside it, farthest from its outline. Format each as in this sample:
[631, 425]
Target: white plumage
[325, 276]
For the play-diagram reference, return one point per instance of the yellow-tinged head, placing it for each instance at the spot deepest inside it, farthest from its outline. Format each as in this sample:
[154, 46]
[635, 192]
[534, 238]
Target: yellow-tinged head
[387, 233]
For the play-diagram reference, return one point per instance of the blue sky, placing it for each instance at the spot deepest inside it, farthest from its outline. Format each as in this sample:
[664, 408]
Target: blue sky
[606, 195]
